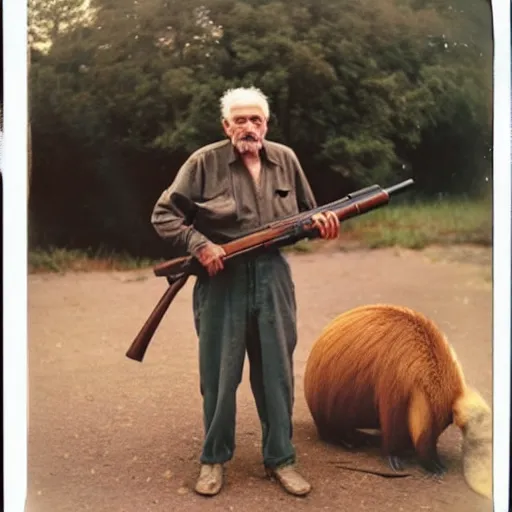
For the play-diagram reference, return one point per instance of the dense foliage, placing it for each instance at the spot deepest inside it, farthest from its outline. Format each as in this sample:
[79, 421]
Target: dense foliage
[363, 91]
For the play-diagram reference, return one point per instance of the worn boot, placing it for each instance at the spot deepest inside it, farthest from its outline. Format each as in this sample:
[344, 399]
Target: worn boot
[290, 479]
[209, 482]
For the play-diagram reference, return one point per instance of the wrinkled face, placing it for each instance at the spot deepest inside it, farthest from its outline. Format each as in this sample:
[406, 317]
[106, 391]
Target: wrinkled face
[246, 127]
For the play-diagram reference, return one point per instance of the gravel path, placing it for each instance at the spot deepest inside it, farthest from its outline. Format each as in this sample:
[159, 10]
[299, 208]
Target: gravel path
[108, 434]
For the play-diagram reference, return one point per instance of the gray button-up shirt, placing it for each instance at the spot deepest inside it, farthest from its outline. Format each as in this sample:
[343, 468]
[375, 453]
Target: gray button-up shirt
[214, 197]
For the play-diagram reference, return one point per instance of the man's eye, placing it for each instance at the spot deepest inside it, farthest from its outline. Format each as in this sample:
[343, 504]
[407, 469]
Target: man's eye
[256, 120]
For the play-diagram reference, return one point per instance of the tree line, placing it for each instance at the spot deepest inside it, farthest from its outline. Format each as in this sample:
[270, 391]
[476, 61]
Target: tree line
[364, 92]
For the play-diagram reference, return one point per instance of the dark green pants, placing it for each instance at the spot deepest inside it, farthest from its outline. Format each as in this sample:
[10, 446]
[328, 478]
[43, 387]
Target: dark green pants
[250, 305]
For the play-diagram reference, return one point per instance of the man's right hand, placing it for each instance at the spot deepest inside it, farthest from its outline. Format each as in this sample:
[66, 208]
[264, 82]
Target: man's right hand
[210, 256]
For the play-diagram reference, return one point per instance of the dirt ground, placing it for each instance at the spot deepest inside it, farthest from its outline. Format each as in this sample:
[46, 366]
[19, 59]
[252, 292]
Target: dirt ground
[108, 434]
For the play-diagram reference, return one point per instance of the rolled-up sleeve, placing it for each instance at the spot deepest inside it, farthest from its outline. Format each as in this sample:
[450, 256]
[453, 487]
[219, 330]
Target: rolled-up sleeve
[170, 217]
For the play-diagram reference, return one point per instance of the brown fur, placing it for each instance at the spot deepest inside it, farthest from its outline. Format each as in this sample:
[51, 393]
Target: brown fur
[389, 368]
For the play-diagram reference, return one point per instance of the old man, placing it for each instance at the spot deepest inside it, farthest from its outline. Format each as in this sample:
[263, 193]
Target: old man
[247, 304]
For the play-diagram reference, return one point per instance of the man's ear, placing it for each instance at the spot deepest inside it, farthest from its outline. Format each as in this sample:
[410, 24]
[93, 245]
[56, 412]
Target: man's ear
[225, 125]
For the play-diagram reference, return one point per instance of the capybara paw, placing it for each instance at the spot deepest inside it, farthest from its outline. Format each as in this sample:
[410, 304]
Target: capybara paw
[435, 468]
[396, 463]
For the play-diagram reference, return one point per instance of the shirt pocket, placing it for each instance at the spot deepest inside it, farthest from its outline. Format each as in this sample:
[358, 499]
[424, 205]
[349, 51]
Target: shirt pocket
[284, 200]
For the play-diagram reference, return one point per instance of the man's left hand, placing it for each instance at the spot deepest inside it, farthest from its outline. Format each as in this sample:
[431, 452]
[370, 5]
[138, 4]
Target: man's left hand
[327, 223]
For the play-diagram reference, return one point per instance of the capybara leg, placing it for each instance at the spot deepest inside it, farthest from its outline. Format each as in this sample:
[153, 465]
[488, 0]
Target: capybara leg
[345, 438]
[360, 439]
[426, 449]
[395, 434]
[424, 433]
[327, 435]
[349, 441]
[346, 441]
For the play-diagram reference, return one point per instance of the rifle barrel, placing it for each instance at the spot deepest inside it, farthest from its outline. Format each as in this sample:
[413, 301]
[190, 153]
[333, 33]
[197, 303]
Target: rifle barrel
[399, 187]
[297, 217]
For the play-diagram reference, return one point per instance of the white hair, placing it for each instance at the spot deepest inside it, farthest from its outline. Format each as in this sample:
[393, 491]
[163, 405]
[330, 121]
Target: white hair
[243, 96]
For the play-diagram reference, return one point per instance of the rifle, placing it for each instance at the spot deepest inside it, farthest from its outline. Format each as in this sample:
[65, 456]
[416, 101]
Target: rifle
[280, 233]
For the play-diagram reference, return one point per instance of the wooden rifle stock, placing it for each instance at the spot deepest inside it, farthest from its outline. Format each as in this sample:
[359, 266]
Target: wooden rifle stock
[141, 342]
[279, 233]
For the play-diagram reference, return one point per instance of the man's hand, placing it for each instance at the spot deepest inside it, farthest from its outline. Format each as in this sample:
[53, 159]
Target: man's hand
[210, 256]
[327, 223]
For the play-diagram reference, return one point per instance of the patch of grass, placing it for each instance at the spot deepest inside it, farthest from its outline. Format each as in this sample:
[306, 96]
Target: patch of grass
[389, 238]
[415, 226]
[57, 259]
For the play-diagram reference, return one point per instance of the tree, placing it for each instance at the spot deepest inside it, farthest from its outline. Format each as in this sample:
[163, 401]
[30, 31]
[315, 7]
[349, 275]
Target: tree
[364, 92]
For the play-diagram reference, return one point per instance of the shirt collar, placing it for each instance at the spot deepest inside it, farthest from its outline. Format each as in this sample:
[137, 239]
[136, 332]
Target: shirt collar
[267, 152]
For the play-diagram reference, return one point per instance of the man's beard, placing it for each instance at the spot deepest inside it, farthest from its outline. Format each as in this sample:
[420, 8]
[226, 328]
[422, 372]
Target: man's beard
[247, 144]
